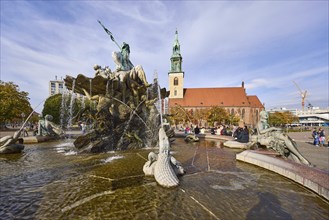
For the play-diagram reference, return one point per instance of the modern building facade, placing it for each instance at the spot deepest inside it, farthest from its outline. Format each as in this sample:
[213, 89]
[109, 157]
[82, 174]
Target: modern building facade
[310, 117]
[233, 99]
[56, 87]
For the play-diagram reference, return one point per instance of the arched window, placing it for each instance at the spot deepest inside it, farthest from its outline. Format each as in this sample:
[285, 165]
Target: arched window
[175, 81]
[243, 113]
[175, 93]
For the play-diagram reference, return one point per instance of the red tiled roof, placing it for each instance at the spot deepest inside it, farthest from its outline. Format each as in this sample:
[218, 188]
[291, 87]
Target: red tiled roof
[207, 97]
[254, 101]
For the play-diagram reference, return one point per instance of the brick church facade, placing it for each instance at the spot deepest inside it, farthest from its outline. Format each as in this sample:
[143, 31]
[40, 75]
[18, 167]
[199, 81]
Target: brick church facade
[233, 99]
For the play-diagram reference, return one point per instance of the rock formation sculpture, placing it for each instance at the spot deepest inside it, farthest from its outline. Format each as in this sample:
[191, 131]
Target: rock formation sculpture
[163, 166]
[126, 117]
[274, 138]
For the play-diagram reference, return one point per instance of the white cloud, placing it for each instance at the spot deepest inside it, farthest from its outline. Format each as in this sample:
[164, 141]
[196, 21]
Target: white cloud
[265, 44]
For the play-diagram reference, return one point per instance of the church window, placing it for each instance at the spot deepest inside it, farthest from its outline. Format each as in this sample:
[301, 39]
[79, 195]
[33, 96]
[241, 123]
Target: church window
[243, 113]
[175, 81]
[175, 93]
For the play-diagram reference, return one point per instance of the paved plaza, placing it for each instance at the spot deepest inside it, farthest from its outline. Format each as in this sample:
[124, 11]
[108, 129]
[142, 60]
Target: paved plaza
[318, 156]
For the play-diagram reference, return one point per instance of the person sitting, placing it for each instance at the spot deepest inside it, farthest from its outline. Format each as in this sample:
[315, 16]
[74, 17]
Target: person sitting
[237, 133]
[243, 136]
[196, 130]
[224, 131]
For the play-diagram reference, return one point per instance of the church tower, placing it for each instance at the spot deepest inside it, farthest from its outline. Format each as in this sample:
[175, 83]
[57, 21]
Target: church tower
[176, 75]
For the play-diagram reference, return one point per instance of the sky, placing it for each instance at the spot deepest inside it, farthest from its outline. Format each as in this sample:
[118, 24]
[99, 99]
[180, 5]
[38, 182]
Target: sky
[267, 44]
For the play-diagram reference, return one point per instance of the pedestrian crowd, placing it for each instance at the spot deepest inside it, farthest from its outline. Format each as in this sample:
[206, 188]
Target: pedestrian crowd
[240, 134]
[319, 138]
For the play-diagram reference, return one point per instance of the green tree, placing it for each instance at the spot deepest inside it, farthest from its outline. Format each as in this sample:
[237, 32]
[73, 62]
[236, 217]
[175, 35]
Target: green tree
[59, 108]
[14, 104]
[217, 114]
[52, 107]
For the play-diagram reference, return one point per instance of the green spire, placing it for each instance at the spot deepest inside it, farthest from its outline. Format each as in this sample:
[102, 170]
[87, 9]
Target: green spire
[176, 46]
[176, 58]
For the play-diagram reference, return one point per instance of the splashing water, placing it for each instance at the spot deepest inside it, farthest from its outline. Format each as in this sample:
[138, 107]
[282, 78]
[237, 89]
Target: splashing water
[133, 112]
[159, 102]
[63, 109]
[110, 159]
[73, 96]
[160, 105]
[83, 102]
[66, 148]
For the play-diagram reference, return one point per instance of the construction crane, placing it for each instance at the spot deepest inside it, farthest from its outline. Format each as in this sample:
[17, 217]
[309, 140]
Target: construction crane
[303, 94]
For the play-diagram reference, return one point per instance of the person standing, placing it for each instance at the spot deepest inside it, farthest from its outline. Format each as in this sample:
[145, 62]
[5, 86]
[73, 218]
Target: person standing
[322, 137]
[196, 130]
[315, 137]
[25, 133]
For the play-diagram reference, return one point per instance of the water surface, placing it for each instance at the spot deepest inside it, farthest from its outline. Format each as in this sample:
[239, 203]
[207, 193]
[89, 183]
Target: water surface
[51, 181]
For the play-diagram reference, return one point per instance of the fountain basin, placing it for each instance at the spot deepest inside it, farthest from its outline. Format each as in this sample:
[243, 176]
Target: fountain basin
[51, 181]
[311, 178]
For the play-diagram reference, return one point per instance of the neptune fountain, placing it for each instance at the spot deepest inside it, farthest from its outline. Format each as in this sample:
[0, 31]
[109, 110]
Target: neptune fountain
[126, 115]
[67, 178]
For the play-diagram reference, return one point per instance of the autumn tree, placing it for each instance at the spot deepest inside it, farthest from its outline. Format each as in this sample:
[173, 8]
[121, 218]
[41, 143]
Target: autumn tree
[217, 114]
[14, 104]
[179, 115]
[282, 118]
[200, 115]
[233, 119]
